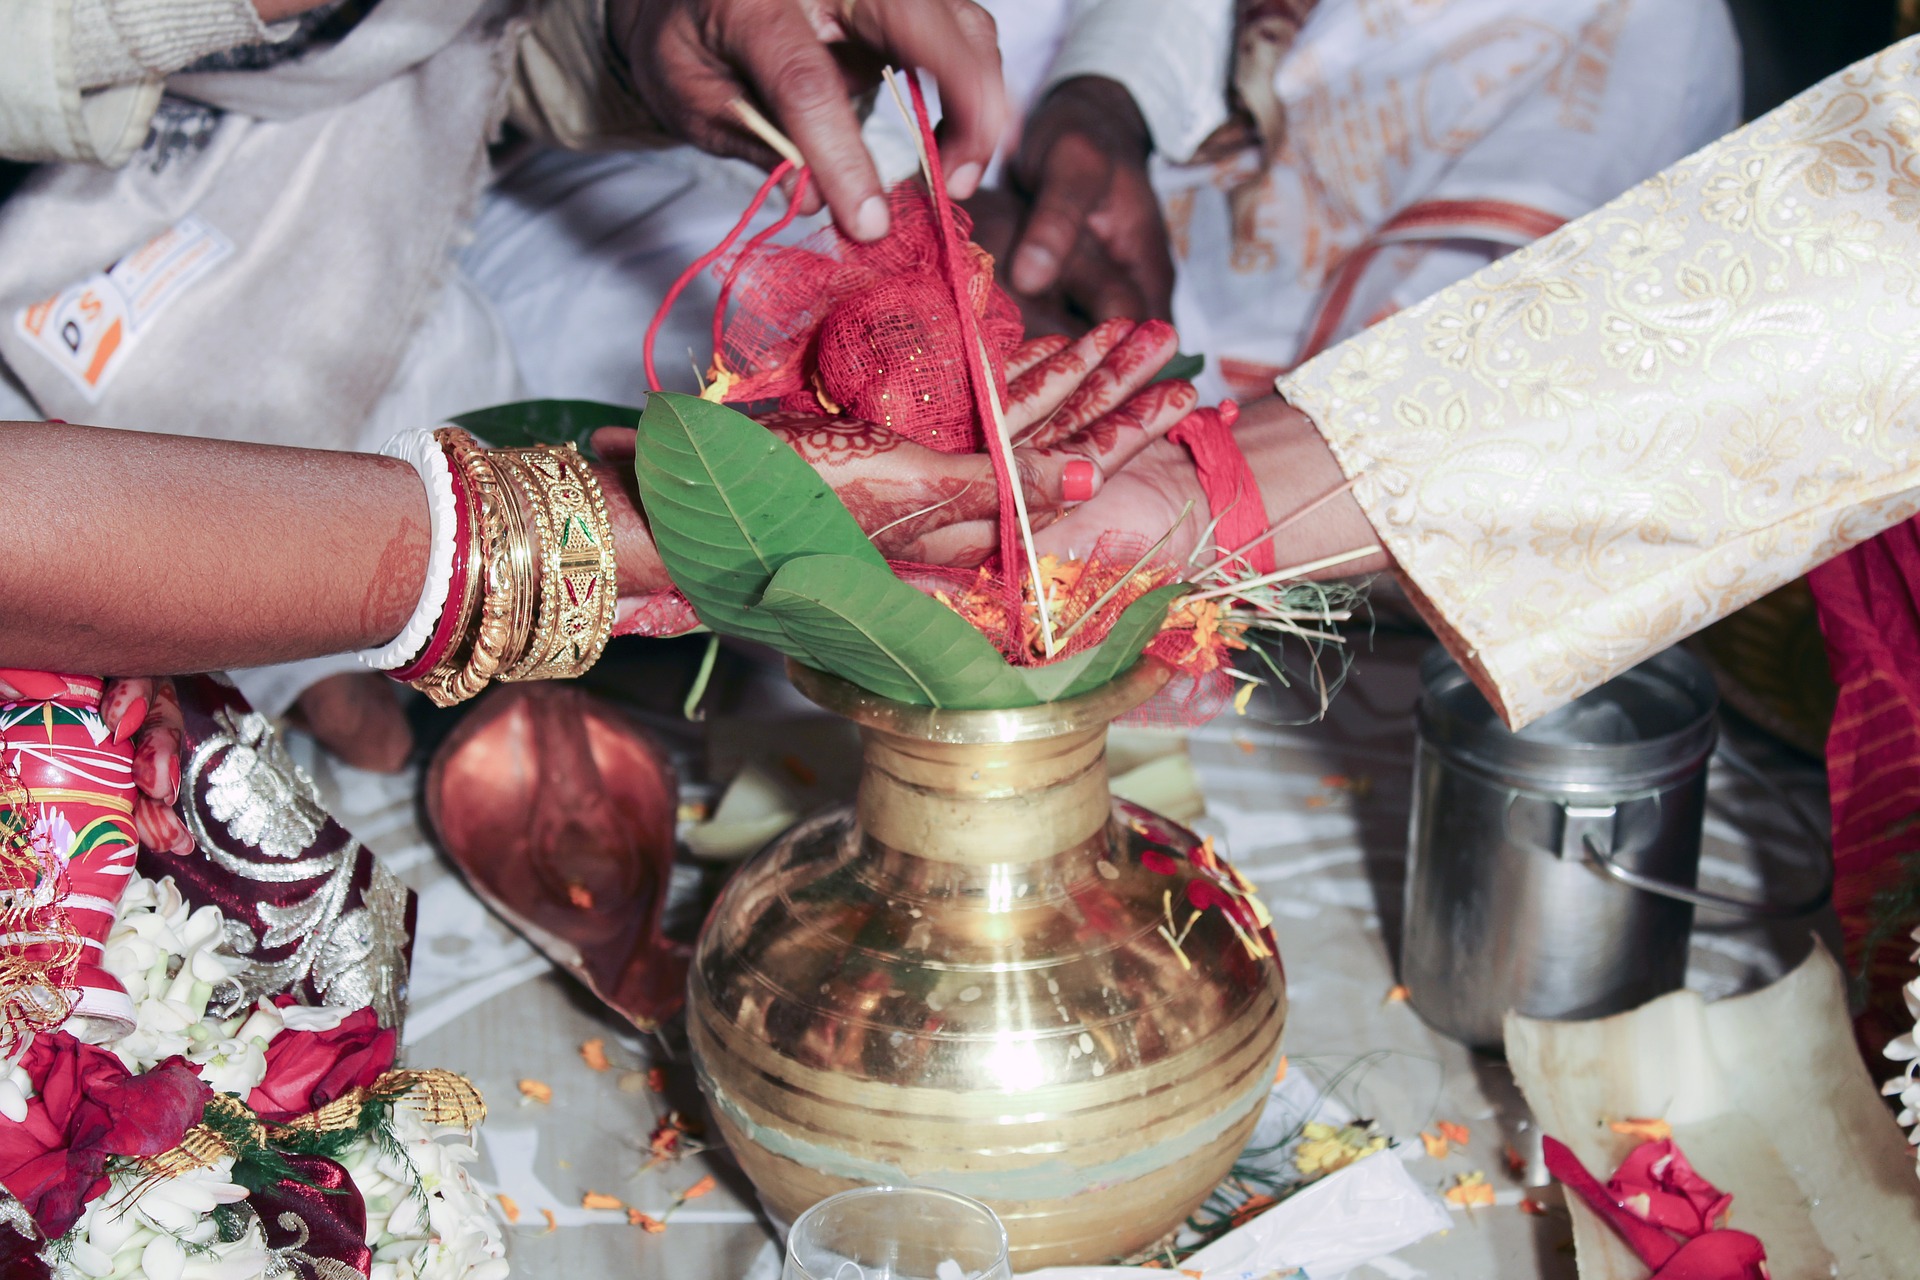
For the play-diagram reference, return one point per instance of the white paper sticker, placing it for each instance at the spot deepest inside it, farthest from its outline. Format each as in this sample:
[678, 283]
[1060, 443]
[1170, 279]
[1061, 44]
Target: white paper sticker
[88, 328]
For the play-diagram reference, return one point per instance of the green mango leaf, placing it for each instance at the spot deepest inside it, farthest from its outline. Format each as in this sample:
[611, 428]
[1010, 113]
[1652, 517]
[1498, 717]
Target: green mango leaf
[866, 626]
[1181, 366]
[529, 422]
[1135, 629]
[729, 503]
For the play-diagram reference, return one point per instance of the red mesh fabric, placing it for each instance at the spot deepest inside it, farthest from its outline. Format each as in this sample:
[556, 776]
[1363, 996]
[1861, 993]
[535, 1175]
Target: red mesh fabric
[869, 330]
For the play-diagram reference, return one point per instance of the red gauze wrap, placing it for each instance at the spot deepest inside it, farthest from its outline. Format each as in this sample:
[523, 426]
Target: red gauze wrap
[869, 330]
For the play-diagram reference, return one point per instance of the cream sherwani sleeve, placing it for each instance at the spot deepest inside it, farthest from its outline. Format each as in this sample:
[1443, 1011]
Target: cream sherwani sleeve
[1594, 447]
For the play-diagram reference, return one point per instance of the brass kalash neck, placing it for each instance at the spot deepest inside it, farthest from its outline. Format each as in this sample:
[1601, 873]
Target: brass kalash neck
[985, 792]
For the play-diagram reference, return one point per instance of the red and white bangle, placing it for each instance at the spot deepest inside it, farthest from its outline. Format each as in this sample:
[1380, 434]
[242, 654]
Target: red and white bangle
[419, 448]
[460, 594]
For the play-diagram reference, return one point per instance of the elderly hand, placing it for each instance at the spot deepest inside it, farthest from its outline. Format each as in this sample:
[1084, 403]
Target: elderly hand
[805, 60]
[1090, 236]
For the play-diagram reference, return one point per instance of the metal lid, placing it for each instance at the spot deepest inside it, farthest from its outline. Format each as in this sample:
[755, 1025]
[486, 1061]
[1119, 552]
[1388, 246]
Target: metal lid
[1637, 732]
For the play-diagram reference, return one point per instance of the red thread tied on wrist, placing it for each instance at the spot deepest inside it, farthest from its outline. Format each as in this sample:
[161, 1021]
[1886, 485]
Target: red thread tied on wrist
[443, 632]
[1233, 493]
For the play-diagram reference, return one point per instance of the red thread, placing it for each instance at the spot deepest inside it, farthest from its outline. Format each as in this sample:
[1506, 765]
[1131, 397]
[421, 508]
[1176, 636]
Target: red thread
[970, 336]
[753, 246]
[1233, 491]
[706, 260]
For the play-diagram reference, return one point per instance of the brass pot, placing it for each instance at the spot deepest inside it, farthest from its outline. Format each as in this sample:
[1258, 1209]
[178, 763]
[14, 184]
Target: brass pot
[962, 983]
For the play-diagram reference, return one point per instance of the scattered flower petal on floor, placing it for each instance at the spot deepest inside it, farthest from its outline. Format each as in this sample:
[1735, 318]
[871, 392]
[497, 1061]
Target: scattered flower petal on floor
[600, 1200]
[509, 1208]
[537, 1090]
[594, 1053]
[1470, 1190]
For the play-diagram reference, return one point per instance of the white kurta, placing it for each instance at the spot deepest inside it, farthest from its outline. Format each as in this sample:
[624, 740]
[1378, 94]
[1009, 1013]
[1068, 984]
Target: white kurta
[1596, 446]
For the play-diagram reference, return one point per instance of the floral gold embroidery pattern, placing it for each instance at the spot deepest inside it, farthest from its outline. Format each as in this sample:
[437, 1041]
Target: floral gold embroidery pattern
[1671, 406]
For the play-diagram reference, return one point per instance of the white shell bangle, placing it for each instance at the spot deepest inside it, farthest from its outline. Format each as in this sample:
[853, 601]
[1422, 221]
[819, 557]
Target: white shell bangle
[419, 448]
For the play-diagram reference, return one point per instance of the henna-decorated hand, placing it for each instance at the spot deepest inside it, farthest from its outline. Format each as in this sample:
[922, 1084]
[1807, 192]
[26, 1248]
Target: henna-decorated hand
[147, 710]
[1066, 402]
[1092, 399]
[1296, 471]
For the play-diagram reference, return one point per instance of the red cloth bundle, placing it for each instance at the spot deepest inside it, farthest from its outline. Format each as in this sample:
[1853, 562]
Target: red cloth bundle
[870, 330]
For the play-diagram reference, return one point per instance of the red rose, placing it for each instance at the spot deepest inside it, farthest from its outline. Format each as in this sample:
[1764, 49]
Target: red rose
[308, 1069]
[88, 1107]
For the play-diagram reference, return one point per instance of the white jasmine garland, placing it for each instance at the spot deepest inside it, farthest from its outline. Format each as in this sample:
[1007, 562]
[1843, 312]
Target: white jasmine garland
[425, 1218]
[1906, 1049]
[164, 1232]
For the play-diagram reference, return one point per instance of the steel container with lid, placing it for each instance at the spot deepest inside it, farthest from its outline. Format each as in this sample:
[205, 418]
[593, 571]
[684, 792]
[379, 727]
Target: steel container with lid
[1552, 871]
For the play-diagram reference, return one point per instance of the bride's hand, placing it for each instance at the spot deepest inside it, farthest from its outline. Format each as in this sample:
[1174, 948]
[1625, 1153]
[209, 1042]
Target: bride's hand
[1087, 402]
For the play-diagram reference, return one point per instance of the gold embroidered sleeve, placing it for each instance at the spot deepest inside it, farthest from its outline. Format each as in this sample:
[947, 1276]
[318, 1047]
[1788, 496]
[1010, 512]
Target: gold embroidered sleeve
[1597, 446]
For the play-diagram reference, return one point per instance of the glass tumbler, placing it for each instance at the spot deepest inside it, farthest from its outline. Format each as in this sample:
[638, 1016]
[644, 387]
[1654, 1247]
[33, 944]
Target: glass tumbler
[897, 1233]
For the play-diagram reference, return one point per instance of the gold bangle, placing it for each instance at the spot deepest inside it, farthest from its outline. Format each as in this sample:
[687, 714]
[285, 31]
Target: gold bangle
[530, 483]
[576, 562]
[504, 576]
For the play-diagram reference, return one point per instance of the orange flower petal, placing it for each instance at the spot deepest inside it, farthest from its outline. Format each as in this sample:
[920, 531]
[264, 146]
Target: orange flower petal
[594, 1053]
[508, 1208]
[599, 1200]
[1396, 994]
[698, 1189]
[646, 1222]
[538, 1090]
[1457, 1134]
[1437, 1147]
[1647, 1130]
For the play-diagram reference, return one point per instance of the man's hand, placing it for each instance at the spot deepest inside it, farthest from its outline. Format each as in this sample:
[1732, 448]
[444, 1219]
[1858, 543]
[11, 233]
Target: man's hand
[1092, 231]
[804, 61]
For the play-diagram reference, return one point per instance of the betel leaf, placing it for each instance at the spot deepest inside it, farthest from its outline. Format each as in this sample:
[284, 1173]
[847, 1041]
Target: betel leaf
[1181, 366]
[1136, 627]
[729, 503]
[868, 627]
[530, 422]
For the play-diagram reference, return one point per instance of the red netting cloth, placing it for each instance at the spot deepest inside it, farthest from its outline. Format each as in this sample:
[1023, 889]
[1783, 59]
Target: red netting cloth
[868, 330]
[908, 332]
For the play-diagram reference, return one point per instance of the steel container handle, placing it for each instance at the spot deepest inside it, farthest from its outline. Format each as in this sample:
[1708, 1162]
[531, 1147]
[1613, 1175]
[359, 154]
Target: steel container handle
[1602, 861]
